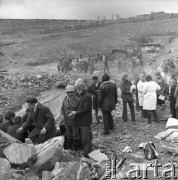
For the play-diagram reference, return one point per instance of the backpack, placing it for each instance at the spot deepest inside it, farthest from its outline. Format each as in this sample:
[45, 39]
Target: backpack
[150, 151]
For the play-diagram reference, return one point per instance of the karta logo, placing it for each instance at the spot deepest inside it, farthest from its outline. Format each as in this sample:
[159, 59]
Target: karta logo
[115, 170]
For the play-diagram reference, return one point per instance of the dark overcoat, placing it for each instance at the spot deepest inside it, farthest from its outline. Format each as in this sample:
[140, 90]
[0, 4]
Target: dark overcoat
[42, 117]
[84, 110]
[107, 98]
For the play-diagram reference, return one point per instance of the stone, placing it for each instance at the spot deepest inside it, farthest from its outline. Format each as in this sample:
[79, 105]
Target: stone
[17, 176]
[4, 168]
[20, 155]
[61, 85]
[69, 170]
[67, 157]
[170, 149]
[31, 176]
[46, 175]
[98, 156]
[48, 154]
[39, 76]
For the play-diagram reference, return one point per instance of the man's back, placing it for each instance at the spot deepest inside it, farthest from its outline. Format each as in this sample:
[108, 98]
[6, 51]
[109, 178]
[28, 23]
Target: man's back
[107, 96]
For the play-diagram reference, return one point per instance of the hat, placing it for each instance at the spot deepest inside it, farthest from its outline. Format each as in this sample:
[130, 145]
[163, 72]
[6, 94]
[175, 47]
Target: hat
[70, 88]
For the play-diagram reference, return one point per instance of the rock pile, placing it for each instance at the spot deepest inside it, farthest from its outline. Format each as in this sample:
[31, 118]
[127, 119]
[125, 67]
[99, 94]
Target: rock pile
[13, 89]
[48, 161]
[44, 81]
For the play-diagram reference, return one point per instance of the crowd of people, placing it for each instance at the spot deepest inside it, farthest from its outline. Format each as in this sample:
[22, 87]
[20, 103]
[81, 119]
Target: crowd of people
[82, 64]
[39, 125]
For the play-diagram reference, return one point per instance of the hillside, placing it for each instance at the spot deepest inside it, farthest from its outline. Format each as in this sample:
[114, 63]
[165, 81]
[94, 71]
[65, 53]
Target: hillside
[24, 44]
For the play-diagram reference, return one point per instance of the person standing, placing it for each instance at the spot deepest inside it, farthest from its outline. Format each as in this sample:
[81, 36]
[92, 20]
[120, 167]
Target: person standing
[172, 96]
[127, 97]
[94, 90]
[150, 98]
[161, 82]
[42, 119]
[140, 87]
[69, 104]
[106, 63]
[84, 117]
[107, 100]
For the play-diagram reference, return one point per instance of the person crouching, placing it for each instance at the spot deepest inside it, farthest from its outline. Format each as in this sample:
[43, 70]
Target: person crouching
[70, 104]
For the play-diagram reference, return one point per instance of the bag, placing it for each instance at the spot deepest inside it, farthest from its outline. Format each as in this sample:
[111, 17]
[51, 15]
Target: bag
[150, 151]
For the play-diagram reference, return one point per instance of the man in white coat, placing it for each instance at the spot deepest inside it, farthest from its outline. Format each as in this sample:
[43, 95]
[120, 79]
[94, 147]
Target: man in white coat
[140, 88]
[150, 98]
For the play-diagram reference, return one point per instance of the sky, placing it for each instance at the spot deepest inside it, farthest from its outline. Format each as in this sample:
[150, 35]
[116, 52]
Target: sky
[82, 9]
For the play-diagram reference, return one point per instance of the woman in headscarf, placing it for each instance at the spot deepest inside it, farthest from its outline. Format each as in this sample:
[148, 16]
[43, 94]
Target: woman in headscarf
[127, 97]
[150, 98]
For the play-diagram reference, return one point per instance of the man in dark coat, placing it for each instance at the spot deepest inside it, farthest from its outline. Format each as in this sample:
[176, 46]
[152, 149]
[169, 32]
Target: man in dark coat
[12, 130]
[94, 90]
[107, 100]
[84, 117]
[42, 119]
[70, 103]
[127, 97]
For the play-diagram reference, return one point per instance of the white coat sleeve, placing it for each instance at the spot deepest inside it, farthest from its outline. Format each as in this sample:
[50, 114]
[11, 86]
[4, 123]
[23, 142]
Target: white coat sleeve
[157, 87]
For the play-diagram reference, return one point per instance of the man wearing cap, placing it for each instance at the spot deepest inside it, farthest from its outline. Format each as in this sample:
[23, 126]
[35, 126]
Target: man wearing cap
[69, 104]
[94, 90]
